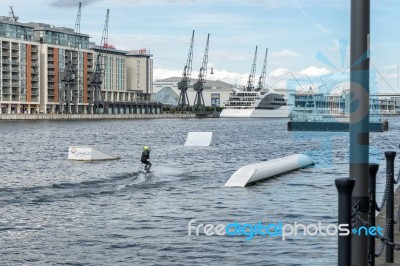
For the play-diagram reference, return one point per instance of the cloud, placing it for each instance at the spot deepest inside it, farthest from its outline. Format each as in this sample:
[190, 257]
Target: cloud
[277, 73]
[277, 78]
[162, 73]
[71, 3]
[285, 53]
[314, 71]
[219, 74]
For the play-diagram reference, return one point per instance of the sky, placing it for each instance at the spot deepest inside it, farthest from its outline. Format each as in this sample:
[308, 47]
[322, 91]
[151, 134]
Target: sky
[306, 39]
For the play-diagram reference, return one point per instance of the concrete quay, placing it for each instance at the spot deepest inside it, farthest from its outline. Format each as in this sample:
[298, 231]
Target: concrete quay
[90, 116]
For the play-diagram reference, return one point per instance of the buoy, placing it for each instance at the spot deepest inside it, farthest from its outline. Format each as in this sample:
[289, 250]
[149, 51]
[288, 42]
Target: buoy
[85, 153]
[258, 171]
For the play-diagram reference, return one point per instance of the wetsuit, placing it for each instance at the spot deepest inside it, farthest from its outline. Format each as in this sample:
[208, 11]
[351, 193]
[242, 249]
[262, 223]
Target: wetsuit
[145, 160]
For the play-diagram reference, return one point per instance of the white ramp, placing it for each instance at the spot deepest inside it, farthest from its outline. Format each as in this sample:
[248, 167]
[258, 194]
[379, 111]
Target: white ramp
[258, 171]
[85, 153]
[199, 139]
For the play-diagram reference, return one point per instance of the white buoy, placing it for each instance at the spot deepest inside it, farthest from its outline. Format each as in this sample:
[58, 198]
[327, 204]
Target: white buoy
[199, 139]
[85, 153]
[258, 171]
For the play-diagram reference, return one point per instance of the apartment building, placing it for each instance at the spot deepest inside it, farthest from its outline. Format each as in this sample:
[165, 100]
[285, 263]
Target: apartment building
[34, 58]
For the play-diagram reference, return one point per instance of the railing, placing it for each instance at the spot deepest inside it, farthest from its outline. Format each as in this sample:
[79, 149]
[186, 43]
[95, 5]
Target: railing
[349, 214]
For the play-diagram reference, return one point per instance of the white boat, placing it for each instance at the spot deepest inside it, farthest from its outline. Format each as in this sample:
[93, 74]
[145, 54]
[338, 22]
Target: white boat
[262, 104]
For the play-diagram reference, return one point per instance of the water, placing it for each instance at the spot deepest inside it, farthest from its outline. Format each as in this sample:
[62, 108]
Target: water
[56, 211]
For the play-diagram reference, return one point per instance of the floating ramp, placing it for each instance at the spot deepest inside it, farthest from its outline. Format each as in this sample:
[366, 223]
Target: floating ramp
[85, 153]
[199, 139]
[258, 171]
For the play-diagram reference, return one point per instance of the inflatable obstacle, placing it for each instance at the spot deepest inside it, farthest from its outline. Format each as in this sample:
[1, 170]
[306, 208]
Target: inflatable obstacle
[199, 139]
[85, 153]
[258, 171]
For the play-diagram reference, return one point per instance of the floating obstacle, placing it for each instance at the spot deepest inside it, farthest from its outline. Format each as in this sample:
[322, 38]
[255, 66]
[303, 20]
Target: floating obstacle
[258, 171]
[85, 153]
[199, 139]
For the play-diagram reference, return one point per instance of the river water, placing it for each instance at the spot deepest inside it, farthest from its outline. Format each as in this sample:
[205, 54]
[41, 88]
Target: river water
[54, 211]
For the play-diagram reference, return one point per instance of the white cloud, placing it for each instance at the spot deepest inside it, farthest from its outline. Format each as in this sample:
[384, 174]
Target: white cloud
[278, 73]
[162, 73]
[219, 74]
[313, 71]
[285, 53]
[227, 76]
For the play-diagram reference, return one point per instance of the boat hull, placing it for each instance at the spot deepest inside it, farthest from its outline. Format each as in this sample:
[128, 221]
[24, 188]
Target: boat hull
[256, 113]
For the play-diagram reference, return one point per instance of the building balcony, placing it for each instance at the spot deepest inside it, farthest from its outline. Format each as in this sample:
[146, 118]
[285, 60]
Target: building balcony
[15, 69]
[6, 69]
[15, 91]
[6, 91]
[6, 76]
[35, 78]
[6, 84]
[6, 61]
[50, 66]
[15, 84]
[34, 93]
[14, 77]
[15, 98]
[15, 55]
[15, 62]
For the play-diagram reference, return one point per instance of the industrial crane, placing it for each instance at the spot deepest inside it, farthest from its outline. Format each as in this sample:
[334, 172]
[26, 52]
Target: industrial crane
[261, 80]
[183, 85]
[69, 93]
[199, 85]
[251, 80]
[97, 77]
[13, 18]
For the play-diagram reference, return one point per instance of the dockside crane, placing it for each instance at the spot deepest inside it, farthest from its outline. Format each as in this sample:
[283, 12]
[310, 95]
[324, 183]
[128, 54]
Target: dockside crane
[96, 100]
[261, 80]
[13, 17]
[252, 78]
[199, 85]
[183, 103]
[69, 93]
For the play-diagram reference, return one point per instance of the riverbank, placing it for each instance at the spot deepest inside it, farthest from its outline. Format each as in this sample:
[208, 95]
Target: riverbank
[90, 116]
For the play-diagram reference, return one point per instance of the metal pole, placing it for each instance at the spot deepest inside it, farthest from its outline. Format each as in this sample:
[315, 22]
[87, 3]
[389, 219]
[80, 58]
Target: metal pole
[344, 187]
[390, 202]
[373, 169]
[359, 121]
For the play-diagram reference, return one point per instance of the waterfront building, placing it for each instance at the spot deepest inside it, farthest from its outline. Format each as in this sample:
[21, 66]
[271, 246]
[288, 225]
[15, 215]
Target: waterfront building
[339, 104]
[214, 93]
[19, 68]
[34, 58]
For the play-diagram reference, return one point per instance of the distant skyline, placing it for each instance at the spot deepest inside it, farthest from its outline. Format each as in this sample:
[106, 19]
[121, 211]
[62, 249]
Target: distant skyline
[305, 37]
